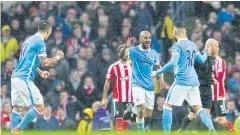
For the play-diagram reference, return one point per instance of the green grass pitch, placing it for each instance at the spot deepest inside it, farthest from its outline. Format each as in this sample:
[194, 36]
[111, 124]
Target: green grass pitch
[114, 133]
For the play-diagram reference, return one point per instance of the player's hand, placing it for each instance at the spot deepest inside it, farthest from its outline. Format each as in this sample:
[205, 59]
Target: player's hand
[161, 83]
[60, 54]
[215, 81]
[44, 74]
[128, 42]
[104, 102]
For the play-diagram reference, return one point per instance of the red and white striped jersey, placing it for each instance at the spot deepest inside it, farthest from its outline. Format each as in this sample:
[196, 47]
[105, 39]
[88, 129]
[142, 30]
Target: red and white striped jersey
[121, 75]
[219, 72]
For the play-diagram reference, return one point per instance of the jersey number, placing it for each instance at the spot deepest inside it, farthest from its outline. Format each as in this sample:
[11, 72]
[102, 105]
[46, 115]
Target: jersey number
[23, 49]
[190, 58]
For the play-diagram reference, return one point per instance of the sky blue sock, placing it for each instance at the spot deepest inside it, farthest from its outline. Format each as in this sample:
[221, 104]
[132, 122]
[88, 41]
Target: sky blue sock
[31, 115]
[206, 119]
[167, 120]
[140, 124]
[15, 119]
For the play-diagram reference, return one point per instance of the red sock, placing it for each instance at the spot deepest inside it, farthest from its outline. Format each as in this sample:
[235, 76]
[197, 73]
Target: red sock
[230, 126]
[119, 124]
[126, 124]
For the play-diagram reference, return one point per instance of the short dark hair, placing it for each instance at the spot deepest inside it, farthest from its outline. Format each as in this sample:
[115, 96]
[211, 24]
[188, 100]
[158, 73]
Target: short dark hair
[179, 24]
[119, 48]
[44, 26]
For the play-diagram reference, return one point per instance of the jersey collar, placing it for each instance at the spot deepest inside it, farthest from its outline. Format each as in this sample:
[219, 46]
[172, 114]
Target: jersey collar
[183, 39]
[143, 49]
[39, 36]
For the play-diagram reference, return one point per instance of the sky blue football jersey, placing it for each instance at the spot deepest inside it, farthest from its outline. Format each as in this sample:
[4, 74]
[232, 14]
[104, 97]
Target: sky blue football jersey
[32, 47]
[142, 66]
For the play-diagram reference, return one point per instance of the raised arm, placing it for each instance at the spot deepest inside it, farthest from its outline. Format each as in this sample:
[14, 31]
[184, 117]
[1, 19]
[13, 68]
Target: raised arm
[45, 62]
[201, 58]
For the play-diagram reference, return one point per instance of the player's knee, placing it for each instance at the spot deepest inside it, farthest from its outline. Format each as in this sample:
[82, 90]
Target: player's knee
[221, 120]
[196, 108]
[192, 116]
[140, 111]
[167, 105]
[18, 108]
[39, 107]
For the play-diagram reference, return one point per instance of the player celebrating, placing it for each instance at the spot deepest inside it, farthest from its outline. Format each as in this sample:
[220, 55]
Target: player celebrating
[120, 73]
[217, 94]
[143, 59]
[186, 83]
[24, 91]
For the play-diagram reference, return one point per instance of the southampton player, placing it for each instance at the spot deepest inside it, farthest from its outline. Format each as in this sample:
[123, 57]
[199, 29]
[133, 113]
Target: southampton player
[186, 83]
[218, 89]
[24, 92]
[211, 98]
[120, 73]
[143, 59]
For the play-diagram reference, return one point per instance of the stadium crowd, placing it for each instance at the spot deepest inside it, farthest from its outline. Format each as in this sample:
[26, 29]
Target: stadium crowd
[89, 33]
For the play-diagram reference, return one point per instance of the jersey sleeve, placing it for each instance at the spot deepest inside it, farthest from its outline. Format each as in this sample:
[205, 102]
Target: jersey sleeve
[41, 50]
[176, 49]
[110, 74]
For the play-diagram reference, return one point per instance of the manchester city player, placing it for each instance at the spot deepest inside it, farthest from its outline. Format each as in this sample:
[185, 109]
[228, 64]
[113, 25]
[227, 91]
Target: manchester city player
[186, 84]
[24, 92]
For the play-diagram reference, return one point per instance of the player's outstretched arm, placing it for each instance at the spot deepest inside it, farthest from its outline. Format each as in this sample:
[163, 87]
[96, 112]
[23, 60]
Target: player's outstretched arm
[44, 61]
[105, 92]
[127, 43]
[172, 63]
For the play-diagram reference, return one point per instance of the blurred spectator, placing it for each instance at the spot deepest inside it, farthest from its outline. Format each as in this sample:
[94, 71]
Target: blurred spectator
[42, 10]
[70, 58]
[77, 40]
[82, 53]
[74, 82]
[102, 40]
[47, 121]
[5, 116]
[5, 95]
[232, 112]
[61, 24]
[228, 39]
[217, 35]
[101, 121]
[52, 20]
[7, 71]
[82, 67]
[234, 84]
[144, 19]
[64, 122]
[62, 67]
[4, 16]
[71, 16]
[84, 18]
[9, 45]
[16, 30]
[52, 8]
[46, 84]
[74, 108]
[88, 92]
[57, 41]
[70, 5]
[85, 125]
[52, 96]
[63, 99]
[18, 11]
[31, 25]
[226, 16]
[101, 66]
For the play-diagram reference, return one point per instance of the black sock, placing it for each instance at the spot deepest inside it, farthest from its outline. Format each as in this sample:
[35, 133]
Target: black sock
[185, 123]
[147, 121]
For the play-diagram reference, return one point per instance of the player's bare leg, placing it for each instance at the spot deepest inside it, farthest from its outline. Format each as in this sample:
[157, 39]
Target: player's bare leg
[205, 117]
[147, 118]
[222, 120]
[167, 117]
[16, 116]
[140, 110]
[30, 115]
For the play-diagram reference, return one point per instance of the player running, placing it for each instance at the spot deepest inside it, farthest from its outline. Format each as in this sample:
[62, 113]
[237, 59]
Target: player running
[211, 98]
[143, 59]
[120, 73]
[24, 92]
[186, 84]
